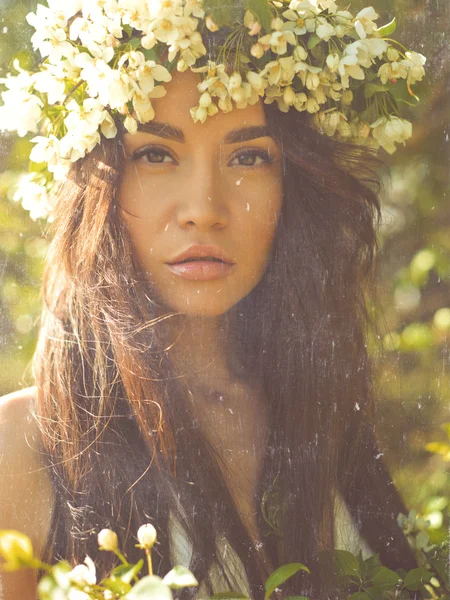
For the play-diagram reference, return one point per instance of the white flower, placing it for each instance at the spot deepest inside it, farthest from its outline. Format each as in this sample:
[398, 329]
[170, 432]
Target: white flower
[83, 575]
[295, 22]
[392, 54]
[349, 67]
[415, 64]
[324, 29]
[304, 72]
[327, 122]
[147, 535]
[300, 101]
[387, 131]
[347, 97]
[312, 105]
[391, 71]
[108, 126]
[130, 124]
[190, 49]
[107, 539]
[288, 95]
[146, 74]
[31, 191]
[333, 62]
[312, 81]
[21, 112]
[257, 50]
[300, 54]
[319, 94]
[95, 72]
[50, 37]
[194, 8]
[68, 8]
[46, 149]
[257, 82]
[84, 120]
[143, 108]
[328, 4]
[252, 24]
[279, 38]
[280, 72]
[211, 25]
[47, 82]
[364, 22]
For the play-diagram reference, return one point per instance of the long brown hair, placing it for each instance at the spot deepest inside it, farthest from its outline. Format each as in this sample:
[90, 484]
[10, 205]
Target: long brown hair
[122, 439]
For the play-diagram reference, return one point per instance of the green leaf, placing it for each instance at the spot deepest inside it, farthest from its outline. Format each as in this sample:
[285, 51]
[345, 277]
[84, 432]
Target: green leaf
[229, 596]
[150, 54]
[134, 43]
[440, 567]
[385, 577]
[152, 587]
[415, 579]
[387, 29]
[223, 13]
[313, 41]
[179, 577]
[127, 572]
[117, 586]
[280, 575]
[346, 563]
[359, 596]
[261, 10]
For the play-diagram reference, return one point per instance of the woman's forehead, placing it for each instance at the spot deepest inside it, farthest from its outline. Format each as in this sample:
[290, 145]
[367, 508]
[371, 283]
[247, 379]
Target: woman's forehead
[182, 94]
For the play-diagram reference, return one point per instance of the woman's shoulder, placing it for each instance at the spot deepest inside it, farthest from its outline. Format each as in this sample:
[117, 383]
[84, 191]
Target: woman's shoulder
[26, 494]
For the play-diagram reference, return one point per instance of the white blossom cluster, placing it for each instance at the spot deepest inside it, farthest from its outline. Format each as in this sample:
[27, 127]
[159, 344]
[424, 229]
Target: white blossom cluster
[103, 61]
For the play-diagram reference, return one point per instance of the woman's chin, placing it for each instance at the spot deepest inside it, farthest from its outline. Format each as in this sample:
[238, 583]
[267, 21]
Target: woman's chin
[200, 307]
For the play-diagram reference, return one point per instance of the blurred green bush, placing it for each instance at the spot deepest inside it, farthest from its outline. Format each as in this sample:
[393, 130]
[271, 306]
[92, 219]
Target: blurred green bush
[413, 378]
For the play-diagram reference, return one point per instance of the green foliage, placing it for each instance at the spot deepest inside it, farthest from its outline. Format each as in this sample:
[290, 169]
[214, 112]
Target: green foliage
[261, 10]
[282, 574]
[355, 578]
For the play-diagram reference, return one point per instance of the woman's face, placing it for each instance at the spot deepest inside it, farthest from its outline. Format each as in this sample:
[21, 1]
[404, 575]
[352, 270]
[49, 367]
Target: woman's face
[215, 184]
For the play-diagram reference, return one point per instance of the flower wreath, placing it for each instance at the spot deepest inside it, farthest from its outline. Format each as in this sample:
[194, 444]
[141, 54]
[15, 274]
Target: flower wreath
[104, 61]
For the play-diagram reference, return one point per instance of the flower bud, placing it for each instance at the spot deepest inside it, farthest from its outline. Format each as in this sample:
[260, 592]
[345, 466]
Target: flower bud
[257, 50]
[392, 54]
[300, 53]
[205, 100]
[147, 535]
[107, 540]
[210, 24]
[347, 97]
[235, 81]
[255, 28]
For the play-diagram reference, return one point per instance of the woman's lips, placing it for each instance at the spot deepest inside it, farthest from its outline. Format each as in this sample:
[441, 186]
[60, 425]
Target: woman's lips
[201, 270]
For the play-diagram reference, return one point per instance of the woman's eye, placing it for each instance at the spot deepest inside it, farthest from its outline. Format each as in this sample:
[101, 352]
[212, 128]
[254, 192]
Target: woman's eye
[159, 155]
[250, 158]
[154, 155]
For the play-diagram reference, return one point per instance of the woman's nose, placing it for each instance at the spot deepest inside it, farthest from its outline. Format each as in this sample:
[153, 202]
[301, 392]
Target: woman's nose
[203, 206]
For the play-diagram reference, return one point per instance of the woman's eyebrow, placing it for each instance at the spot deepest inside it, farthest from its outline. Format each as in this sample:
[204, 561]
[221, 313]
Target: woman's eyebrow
[170, 132]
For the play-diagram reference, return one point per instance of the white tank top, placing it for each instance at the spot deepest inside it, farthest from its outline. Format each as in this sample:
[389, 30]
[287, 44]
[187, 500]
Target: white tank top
[346, 538]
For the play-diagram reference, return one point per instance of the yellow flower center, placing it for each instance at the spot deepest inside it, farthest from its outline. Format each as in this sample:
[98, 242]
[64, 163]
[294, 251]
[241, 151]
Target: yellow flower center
[165, 24]
[300, 22]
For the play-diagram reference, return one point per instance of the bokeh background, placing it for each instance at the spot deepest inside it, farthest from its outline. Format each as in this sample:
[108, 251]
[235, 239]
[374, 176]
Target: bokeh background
[413, 374]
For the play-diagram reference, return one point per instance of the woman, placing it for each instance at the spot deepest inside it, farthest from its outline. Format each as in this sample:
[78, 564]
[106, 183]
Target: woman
[202, 361]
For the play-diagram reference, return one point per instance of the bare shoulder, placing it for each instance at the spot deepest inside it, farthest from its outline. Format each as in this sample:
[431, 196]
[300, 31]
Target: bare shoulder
[26, 495]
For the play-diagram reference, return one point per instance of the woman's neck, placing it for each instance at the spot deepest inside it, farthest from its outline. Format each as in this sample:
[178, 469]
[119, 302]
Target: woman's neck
[197, 347]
